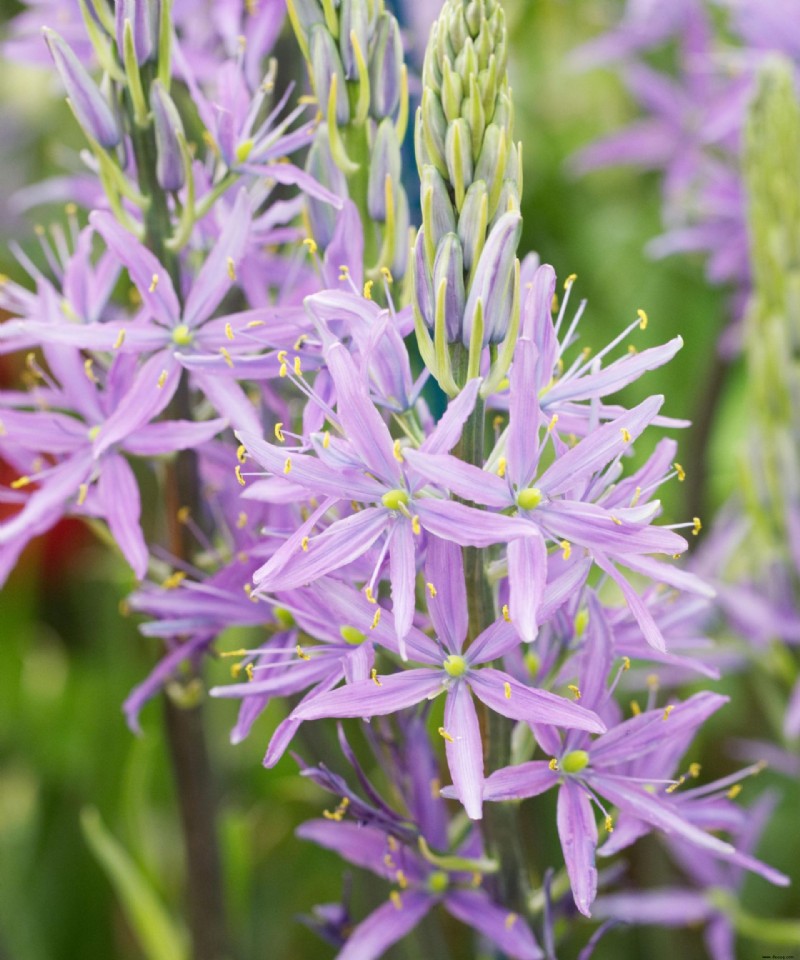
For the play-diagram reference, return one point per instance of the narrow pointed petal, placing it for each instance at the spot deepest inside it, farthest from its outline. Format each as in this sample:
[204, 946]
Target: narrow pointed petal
[523, 422]
[462, 479]
[121, 505]
[447, 603]
[467, 526]
[359, 844]
[287, 728]
[526, 703]
[386, 925]
[577, 831]
[167, 436]
[374, 698]
[447, 432]
[517, 783]
[665, 907]
[509, 932]
[403, 576]
[527, 573]
[229, 399]
[636, 605]
[464, 749]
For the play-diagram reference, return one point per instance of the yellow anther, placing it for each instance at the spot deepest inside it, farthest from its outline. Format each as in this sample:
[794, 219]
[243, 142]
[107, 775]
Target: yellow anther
[339, 812]
[388, 861]
[376, 619]
[734, 791]
[626, 663]
[326, 439]
[231, 270]
[87, 369]
[250, 671]
[369, 594]
[279, 432]
[20, 482]
[304, 544]
[368, 290]
[446, 736]
[554, 304]
[652, 681]
[636, 494]
[501, 467]
[344, 272]
[570, 280]
[667, 711]
[153, 284]
[678, 783]
[397, 451]
[397, 900]
[283, 370]
[635, 708]
[553, 764]
[511, 919]
[694, 770]
[642, 319]
[300, 341]
[174, 580]
[241, 523]
[287, 466]
[256, 323]
[375, 678]
[416, 529]
[431, 589]
[574, 690]
[183, 515]
[680, 472]
[632, 350]
[507, 690]
[301, 653]
[392, 844]
[435, 786]
[566, 548]
[120, 339]
[609, 824]
[401, 879]
[553, 422]
[239, 477]
[236, 669]
[506, 614]
[229, 330]
[476, 879]
[162, 379]
[83, 490]
[697, 526]
[386, 273]
[298, 367]
[226, 356]
[616, 520]
[241, 453]
[311, 245]
[626, 434]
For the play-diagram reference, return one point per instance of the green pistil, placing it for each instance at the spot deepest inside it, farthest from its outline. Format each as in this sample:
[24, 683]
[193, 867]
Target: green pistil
[93, 432]
[574, 761]
[529, 498]
[352, 636]
[182, 336]
[438, 881]
[283, 618]
[455, 665]
[394, 499]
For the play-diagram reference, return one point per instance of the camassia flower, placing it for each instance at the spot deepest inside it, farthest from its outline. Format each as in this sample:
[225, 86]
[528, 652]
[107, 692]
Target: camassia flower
[459, 673]
[583, 770]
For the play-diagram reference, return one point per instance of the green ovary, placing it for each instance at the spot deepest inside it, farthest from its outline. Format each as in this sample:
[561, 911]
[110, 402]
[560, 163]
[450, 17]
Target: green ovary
[574, 761]
[438, 881]
[456, 666]
[182, 336]
[529, 498]
[394, 499]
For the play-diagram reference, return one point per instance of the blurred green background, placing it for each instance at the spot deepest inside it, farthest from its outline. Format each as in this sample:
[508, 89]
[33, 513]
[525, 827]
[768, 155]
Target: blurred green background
[69, 659]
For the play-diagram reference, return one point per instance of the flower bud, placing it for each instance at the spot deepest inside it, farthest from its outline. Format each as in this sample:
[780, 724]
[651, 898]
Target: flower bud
[353, 19]
[320, 164]
[325, 62]
[472, 223]
[437, 211]
[449, 266]
[423, 281]
[385, 163]
[144, 17]
[168, 127]
[385, 67]
[493, 283]
[90, 107]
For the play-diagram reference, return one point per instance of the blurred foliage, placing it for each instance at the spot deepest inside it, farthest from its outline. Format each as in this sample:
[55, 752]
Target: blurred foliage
[69, 659]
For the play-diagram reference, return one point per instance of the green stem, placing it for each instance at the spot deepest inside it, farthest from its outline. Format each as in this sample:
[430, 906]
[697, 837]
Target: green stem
[501, 819]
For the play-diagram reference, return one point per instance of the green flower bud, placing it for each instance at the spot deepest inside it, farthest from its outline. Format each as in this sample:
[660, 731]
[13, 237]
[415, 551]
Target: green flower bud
[325, 62]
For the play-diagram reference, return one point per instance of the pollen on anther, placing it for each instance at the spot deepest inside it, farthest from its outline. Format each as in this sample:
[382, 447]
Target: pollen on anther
[231, 269]
[734, 791]
[83, 490]
[326, 439]
[87, 369]
[667, 711]
[574, 690]
[553, 422]
[431, 589]
[501, 467]
[511, 919]
[446, 736]
[566, 548]
[680, 472]
[506, 614]
[301, 653]
[642, 319]
[553, 764]
[626, 434]
[250, 671]
[694, 770]
[344, 272]
[376, 619]
[120, 339]
[368, 290]
[287, 466]
[241, 521]
[162, 379]
[375, 678]
[310, 244]
[397, 900]
[153, 284]
[570, 280]
[226, 356]
[239, 477]
[416, 529]
[183, 515]
[402, 880]
[174, 580]
[397, 451]
[241, 453]
[298, 367]
[304, 544]
[609, 825]
[635, 708]
[626, 663]
[369, 594]
[507, 690]
[697, 526]
[229, 330]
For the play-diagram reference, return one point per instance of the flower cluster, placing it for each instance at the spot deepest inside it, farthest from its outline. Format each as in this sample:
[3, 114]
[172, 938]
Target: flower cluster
[480, 563]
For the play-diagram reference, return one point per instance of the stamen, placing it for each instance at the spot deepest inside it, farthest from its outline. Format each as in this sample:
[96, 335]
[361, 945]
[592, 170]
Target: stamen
[339, 812]
[287, 465]
[566, 547]
[642, 319]
[635, 708]
[304, 544]
[174, 580]
[697, 526]
[162, 379]
[241, 523]
[83, 490]
[609, 824]
[229, 330]
[376, 619]
[368, 290]
[507, 690]
[396, 899]
[511, 919]
[401, 879]
[386, 273]
[397, 451]
[241, 453]
[506, 615]
[250, 672]
[311, 245]
[501, 467]
[153, 284]
[120, 339]
[734, 791]
[431, 589]
[694, 770]
[416, 529]
[375, 678]
[626, 434]
[680, 471]
[553, 422]
[231, 269]
[20, 482]
[298, 367]
[667, 711]
[553, 764]
[226, 356]
[239, 477]
[301, 653]
[369, 594]
[574, 690]
[87, 369]
[626, 663]
[446, 736]
[326, 439]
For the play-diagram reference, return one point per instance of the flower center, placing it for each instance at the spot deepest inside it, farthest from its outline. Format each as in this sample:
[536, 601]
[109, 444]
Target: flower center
[394, 499]
[574, 761]
[438, 881]
[182, 336]
[530, 498]
[455, 665]
[352, 636]
[283, 618]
